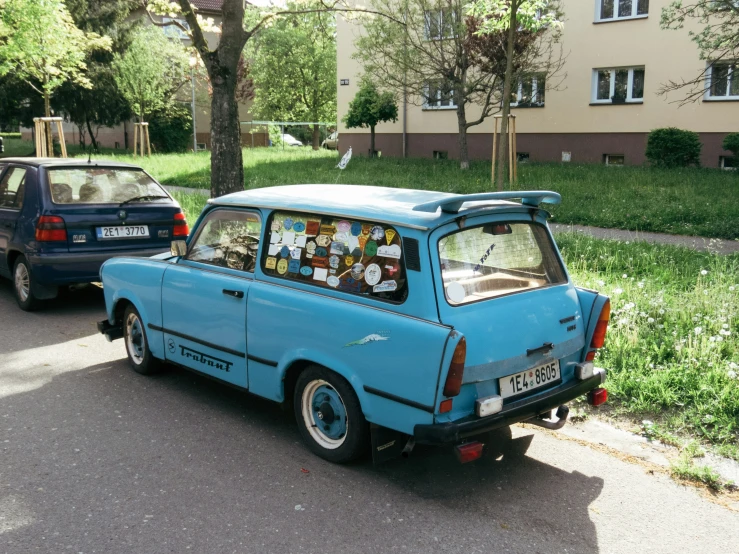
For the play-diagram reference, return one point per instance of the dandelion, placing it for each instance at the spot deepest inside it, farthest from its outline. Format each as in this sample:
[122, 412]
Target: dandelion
[640, 284]
[698, 330]
[725, 325]
[712, 339]
[660, 326]
[629, 306]
[705, 291]
[719, 339]
[617, 291]
[731, 374]
[650, 320]
[732, 288]
[695, 318]
[704, 272]
[733, 365]
[624, 276]
[601, 283]
[661, 312]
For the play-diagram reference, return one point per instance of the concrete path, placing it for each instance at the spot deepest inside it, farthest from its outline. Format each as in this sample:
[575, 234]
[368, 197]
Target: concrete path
[716, 246]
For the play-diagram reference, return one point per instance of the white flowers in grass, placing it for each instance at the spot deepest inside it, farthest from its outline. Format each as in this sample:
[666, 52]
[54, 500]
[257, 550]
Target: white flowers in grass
[704, 272]
[650, 320]
[624, 276]
[617, 291]
[698, 330]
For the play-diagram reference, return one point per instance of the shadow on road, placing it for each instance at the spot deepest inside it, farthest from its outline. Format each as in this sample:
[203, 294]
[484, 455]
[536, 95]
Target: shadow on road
[102, 458]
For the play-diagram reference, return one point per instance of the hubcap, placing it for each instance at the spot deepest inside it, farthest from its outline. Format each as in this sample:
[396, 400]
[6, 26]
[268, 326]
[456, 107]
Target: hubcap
[22, 282]
[324, 414]
[135, 341]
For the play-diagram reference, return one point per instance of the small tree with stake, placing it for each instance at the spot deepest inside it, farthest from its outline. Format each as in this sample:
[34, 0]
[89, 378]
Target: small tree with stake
[369, 108]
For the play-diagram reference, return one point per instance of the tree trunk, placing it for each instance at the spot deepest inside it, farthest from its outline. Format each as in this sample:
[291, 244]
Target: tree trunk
[464, 157]
[316, 137]
[503, 143]
[372, 141]
[93, 142]
[226, 159]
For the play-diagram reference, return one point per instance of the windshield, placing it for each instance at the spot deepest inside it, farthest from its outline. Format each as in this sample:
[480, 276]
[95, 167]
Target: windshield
[103, 185]
[497, 259]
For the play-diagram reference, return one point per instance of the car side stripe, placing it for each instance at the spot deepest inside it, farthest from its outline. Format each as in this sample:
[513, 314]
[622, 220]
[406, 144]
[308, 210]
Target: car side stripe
[199, 341]
[261, 360]
[399, 399]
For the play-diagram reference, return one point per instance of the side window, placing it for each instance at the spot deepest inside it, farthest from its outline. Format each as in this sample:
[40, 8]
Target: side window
[12, 188]
[358, 257]
[227, 238]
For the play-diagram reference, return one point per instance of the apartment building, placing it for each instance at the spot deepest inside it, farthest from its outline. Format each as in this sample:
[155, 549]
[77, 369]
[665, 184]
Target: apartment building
[617, 59]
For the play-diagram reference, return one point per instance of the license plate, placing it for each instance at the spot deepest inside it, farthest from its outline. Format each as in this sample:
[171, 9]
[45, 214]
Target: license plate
[123, 232]
[529, 380]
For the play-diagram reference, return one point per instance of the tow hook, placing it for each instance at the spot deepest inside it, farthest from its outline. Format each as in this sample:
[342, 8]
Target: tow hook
[562, 413]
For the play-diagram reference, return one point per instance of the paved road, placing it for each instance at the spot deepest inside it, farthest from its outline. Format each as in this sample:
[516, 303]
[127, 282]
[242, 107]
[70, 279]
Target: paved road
[95, 458]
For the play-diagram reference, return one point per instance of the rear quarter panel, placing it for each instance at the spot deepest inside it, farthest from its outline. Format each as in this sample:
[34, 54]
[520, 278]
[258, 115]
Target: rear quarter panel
[138, 281]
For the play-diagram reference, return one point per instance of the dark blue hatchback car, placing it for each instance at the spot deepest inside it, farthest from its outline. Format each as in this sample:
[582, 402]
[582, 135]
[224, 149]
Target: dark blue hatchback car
[61, 219]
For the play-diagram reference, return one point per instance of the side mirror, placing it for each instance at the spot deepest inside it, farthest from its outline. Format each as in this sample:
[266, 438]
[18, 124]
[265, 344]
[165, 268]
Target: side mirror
[178, 248]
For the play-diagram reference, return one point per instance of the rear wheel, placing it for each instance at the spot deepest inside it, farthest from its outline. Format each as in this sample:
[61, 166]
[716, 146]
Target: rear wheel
[137, 344]
[22, 285]
[329, 415]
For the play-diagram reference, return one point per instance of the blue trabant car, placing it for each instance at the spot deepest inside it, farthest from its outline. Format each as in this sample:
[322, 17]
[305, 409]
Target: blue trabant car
[385, 317]
[60, 219]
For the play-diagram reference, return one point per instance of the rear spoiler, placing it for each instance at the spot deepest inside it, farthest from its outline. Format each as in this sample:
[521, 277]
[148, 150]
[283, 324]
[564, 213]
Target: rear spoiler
[453, 204]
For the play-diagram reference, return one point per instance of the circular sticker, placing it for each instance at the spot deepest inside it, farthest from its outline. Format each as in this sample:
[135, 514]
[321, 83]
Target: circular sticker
[321, 251]
[455, 292]
[377, 232]
[333, 281]
[288, 223]
[343, 226]
[333, 261]
[298, 226]
[356, 229]
[284, 252]
[282, 267]
[311, 247]
[370, 248]
[372, 274]
[306, 270]
[357, 271]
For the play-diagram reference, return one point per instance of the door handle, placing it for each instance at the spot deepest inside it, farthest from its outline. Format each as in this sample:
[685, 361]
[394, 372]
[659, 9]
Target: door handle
[234, 293]
[546, 347]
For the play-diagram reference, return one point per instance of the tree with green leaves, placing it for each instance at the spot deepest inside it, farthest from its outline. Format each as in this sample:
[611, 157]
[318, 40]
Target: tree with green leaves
[432, 55]
[369, 108]
[716, 35]
[41, 45]
[294, 70]
[151, 70]
[514, 18]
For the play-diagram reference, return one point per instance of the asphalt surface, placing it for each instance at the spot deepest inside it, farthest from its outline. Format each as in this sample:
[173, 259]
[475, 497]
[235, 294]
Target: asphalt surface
[95, 458]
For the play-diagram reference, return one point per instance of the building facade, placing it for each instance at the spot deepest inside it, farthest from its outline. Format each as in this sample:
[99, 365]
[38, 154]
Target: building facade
[601, 111]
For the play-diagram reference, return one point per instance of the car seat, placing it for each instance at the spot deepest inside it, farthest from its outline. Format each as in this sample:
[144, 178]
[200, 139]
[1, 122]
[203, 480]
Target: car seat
[90, 192]
[61, 193]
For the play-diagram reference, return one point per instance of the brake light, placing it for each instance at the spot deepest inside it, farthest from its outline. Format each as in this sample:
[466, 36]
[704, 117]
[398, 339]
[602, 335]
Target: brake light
[599, 336]
[453, 382]
[598, 396]
[51, 228]
[181, 228]
[469, 452]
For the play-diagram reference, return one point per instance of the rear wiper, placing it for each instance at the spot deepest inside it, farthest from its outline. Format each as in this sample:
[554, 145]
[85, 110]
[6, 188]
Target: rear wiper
[146, 197]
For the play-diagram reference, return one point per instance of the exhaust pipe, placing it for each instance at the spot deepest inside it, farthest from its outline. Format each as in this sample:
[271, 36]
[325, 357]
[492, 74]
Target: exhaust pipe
[408, 447]
[562, 413]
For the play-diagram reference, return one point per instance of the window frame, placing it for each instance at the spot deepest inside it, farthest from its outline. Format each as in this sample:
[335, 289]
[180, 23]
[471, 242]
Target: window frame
[323, 286]
[534, 91]
[441, 26]
[7, 172]
[201, 227]
[427, 92]
[629, 85]
[549, 240]
[614, 17]
[733, 73]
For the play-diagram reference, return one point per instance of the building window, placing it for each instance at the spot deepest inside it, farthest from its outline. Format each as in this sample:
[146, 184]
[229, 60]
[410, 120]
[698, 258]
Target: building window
[618, 85]
[441, 154]
[613, 159]
[522, 157]
[609, 10]
[727, 162]
[174, 31]
[530, 92]
[438, 97]
[723, 81]
[439, 24]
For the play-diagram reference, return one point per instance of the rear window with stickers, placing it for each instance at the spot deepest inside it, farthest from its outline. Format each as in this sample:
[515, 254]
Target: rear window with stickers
[358, 257]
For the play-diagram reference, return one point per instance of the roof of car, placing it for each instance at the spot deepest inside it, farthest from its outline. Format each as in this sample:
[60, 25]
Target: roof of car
[46, 162]
[381, 204]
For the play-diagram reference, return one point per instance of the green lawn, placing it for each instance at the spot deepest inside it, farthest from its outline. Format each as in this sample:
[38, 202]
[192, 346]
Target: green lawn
[701, 202]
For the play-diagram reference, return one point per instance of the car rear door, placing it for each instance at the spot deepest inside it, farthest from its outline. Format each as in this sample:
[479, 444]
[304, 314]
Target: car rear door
[504, 286]
[204, 296]
[12, 192]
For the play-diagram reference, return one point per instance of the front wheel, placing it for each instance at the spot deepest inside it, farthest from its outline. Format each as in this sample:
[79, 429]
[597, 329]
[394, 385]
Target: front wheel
[329, 416]
[22, 285]
[137, 343]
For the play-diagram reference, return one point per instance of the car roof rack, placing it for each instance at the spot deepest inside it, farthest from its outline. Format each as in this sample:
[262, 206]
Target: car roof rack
[453, 204]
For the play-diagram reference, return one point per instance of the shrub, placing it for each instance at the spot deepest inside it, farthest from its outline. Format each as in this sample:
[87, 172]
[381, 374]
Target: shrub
[731, 143]
[170, 130]
[10, 135]
[672, 147]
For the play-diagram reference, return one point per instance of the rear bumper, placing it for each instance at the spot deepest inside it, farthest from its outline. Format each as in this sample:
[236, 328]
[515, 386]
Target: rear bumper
[521, 410]
[67, 268]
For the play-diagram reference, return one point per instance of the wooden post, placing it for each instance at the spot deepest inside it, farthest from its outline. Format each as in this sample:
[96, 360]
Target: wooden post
[515, 152]
[148, 144]
[43, 140]
[495, 149]
[141, 144]
[60, 132]
[511, 154]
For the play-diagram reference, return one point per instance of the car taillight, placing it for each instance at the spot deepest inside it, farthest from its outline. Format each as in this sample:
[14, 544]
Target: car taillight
[453, 382]
[469, 452]
[181, 228]
[51, 228]
[599, 336]
[598, 396]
